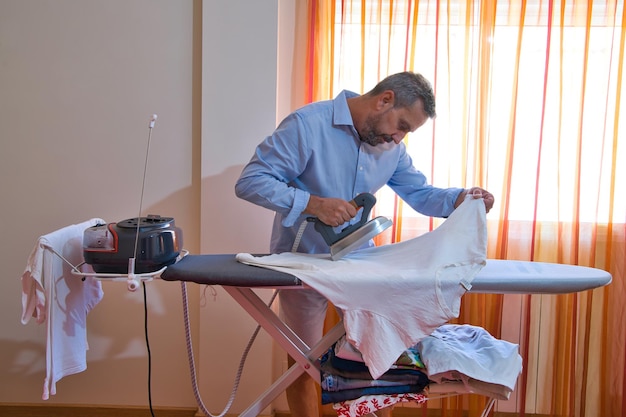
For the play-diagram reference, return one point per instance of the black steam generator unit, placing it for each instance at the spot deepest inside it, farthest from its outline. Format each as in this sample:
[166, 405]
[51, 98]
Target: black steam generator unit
[108, 247]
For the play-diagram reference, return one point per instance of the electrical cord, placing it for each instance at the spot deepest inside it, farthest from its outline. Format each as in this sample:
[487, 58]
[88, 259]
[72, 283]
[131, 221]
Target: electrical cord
[192, 366]
[298, 238]
[190, 354]
[131, 264]
[145, 321]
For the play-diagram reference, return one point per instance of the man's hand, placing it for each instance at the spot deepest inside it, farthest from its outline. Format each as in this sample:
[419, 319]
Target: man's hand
[332, 211]
[476, 192]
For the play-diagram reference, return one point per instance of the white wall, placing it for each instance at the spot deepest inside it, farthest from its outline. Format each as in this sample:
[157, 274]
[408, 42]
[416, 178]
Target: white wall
[238, 110]
[79, 80]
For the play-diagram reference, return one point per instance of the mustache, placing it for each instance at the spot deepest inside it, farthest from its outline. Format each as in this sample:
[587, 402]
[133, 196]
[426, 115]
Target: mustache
[376, 139]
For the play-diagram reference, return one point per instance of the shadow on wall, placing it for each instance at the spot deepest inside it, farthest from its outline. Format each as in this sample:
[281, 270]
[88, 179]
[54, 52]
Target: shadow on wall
[229, 224]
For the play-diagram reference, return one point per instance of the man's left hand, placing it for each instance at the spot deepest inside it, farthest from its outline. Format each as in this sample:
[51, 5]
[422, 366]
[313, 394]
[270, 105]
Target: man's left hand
[476, 192]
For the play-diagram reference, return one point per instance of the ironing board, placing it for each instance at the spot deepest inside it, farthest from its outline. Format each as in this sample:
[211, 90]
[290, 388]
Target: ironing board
[240, 280]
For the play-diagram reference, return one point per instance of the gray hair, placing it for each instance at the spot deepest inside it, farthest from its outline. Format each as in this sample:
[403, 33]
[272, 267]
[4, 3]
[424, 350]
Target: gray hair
[408, 87]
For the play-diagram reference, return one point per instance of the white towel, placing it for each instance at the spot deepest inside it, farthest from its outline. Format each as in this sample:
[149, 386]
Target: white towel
[52, 295]
[392, 296]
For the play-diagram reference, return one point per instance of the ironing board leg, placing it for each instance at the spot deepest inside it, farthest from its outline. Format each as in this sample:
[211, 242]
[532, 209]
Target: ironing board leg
[293, 373]
[272, 392]
[306, 358]
[488, 407]
[278, 330]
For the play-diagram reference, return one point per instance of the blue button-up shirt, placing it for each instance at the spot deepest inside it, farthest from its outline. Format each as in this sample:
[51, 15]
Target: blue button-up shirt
[317, 150]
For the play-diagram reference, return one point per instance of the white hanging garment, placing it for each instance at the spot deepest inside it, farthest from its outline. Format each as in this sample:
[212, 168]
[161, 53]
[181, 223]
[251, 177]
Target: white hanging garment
[52, 295]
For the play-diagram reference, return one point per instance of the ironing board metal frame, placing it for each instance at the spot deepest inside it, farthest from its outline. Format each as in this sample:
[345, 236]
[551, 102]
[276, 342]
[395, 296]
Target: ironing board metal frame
[306, 357]
[239, 281]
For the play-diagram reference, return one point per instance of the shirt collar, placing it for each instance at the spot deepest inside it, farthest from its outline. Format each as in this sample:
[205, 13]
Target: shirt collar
[341, 113]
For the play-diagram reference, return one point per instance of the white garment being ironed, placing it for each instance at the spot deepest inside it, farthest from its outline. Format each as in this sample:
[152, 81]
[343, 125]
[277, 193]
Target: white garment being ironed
[472, 355]
[392, 296]
[52, 295]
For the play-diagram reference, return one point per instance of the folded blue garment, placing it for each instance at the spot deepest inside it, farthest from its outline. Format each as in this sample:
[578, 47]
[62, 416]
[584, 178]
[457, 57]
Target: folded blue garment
[329, 397]
[332, 382]
[343, 380]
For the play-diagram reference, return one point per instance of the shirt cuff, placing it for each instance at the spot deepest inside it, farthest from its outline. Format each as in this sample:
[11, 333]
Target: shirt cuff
[300, 201]
[449, 202]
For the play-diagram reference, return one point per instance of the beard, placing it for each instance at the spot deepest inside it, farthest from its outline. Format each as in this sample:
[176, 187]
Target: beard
[373, 138]
[371, 135]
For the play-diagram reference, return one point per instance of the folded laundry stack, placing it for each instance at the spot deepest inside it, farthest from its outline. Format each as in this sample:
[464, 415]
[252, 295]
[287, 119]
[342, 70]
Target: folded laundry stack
[349, 386]
[345, 379]
[465, 357]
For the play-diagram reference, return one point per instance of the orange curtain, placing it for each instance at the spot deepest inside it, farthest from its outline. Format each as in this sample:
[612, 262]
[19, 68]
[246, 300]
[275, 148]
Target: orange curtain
[529, 107]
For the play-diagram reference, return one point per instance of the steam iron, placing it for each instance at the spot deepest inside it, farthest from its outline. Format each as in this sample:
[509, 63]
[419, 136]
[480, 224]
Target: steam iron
[355, 235]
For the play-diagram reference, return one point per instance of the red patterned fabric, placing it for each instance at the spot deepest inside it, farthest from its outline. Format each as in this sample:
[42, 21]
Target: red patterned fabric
[371, 403]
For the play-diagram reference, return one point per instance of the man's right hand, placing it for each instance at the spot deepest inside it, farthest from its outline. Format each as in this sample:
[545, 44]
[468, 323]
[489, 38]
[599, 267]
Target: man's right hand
[332, 211]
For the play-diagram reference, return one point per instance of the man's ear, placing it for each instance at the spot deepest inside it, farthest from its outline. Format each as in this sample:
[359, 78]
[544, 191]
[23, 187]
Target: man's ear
[386, 99]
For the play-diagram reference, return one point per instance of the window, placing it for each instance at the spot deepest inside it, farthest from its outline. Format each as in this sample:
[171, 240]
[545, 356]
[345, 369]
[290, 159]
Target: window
[524, 103]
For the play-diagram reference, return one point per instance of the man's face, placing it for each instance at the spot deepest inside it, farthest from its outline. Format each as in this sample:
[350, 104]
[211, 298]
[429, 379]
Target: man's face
[392, 124]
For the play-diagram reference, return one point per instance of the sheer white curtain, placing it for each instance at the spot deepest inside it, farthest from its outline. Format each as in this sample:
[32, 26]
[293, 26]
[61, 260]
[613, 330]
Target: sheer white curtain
[529, 107]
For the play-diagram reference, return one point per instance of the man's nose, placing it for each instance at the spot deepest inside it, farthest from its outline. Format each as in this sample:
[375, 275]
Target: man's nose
[397, 137]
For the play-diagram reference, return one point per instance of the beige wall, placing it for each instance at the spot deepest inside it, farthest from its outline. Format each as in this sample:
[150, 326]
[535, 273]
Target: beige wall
[238, 110]
[78, 82]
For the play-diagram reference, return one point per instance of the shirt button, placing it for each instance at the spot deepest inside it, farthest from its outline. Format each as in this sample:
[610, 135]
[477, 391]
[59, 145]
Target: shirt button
[361, 168]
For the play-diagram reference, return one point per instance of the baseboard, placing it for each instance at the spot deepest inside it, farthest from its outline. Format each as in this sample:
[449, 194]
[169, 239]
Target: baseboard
[418, 412]
[199, 413]
[44, 410]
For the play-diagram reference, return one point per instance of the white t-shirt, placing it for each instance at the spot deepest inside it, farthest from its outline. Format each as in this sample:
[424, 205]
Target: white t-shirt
[392, 296]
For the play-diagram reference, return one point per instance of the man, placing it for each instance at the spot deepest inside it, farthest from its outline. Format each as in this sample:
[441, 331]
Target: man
[317, 160]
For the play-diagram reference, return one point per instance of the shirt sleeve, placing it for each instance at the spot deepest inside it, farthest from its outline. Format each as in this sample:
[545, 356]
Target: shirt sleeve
[412, 186]
[277, 161]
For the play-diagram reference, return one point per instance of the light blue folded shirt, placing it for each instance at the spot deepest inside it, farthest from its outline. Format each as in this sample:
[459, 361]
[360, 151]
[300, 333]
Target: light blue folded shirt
[316, 150]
